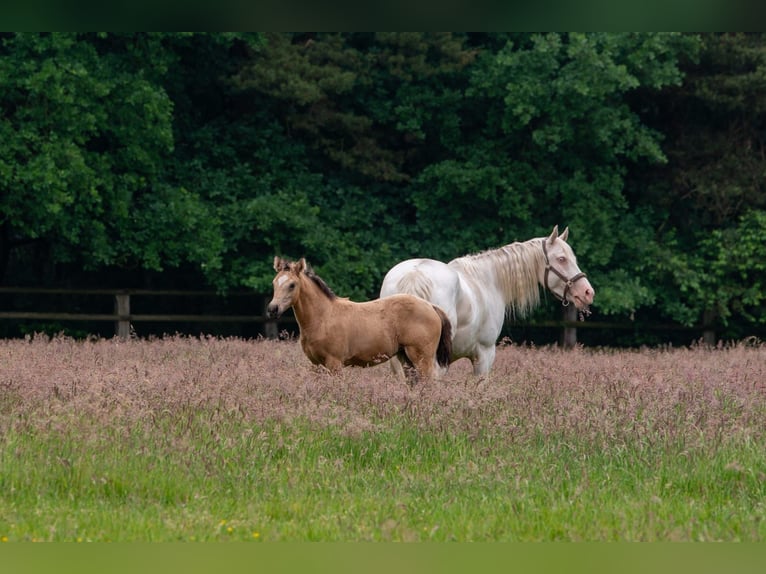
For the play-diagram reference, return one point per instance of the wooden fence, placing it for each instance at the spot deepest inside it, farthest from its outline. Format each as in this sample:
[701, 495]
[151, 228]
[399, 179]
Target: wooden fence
[123, 317]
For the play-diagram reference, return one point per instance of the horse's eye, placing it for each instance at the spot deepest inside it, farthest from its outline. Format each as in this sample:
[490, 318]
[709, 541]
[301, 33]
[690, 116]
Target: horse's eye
[291, 286]
[562, 259]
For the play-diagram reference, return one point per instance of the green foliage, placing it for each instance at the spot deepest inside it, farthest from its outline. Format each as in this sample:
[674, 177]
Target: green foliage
[715, 126]
[85, 130]
[733, 273]
[560, 106]
[201, 156]
[623, 290]
[711, 190]
[172, 225]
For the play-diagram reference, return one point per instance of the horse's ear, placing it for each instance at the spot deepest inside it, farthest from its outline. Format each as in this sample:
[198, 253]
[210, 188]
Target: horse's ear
[564, 234]
[300, 265]
[278, 263]
[554, 235]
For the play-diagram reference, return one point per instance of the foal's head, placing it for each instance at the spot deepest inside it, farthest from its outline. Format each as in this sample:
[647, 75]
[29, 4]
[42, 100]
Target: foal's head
[289, 282]
[287, 285]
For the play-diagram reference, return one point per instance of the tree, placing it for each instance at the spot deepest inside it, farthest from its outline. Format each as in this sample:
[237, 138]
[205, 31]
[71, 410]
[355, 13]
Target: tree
[335, 127]
[710, 195]
[195, 158]
[86, 129]
[552, 137]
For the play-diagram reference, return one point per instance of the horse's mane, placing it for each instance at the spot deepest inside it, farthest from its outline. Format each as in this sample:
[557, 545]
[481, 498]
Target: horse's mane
[319, 282]
[515, 267]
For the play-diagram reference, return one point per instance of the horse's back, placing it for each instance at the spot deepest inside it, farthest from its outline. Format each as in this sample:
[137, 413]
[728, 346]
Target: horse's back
[428, 279]
[399, 277]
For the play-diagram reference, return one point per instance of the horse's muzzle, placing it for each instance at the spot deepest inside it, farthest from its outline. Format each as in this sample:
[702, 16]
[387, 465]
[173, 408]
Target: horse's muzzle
[272, 311]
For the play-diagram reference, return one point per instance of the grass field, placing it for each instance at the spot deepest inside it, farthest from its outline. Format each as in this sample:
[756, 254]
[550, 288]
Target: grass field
[214, 440]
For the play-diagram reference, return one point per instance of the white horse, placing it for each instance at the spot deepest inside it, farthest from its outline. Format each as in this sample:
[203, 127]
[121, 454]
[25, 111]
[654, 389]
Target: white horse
[477, 291]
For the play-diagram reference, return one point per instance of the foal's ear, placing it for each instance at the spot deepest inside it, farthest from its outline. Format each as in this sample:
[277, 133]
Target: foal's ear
[564, 234]
[300, 265]
[281, 264]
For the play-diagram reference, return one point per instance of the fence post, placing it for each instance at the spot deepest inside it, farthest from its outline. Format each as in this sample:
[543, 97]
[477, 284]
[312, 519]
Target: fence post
[708, 333]
[122, 310]
[568, 337]
[270, 327]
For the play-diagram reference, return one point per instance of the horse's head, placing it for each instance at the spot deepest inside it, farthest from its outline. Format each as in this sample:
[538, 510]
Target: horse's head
[562, 276]
[287, 285]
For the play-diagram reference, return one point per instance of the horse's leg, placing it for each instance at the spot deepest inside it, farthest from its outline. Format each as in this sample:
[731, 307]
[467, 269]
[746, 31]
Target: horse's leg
[483, 359]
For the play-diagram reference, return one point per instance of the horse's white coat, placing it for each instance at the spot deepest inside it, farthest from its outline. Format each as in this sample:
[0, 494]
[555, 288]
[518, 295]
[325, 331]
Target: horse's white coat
[477, 291]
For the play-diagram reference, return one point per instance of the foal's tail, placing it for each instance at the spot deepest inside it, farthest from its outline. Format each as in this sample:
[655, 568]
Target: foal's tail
[444, 350]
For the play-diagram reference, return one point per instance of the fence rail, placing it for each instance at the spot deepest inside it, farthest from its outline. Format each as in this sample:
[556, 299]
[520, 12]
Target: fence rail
[123, 317]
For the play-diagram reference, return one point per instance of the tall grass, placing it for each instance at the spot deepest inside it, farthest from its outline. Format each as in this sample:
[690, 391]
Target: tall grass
[208, 439]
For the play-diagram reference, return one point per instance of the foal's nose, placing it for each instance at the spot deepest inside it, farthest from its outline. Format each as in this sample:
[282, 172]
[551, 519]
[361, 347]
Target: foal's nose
[272, 310]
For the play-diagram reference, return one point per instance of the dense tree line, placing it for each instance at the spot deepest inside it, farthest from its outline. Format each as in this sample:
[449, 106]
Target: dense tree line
[187, 159]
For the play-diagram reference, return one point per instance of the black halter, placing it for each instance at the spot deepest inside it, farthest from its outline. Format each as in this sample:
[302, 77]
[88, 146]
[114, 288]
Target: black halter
[567, 282]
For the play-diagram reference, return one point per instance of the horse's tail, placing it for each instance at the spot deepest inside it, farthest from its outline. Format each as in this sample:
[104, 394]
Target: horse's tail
[444, 350]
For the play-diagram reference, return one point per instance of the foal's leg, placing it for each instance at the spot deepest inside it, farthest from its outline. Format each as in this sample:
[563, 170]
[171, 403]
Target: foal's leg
[423, 361]
[332, 364]
[396, 368]
[409, 369]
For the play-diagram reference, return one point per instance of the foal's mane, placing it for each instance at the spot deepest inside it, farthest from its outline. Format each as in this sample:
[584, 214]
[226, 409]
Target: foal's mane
[319, 282]
[515, 268]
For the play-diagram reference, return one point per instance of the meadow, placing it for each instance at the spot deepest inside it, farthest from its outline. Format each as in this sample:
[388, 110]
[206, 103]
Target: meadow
[205, 439]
